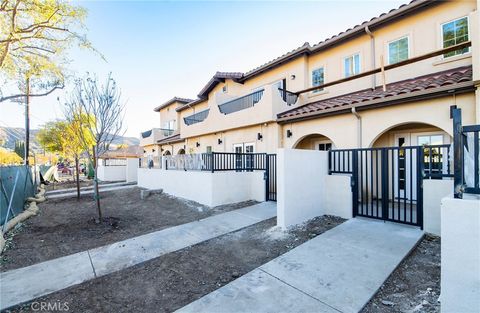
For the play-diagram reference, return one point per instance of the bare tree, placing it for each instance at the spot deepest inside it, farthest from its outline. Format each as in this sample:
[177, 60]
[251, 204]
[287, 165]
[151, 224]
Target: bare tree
[97, 108]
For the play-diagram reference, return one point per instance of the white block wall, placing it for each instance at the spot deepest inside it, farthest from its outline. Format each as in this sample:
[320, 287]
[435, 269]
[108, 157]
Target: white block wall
[131, 170]
[112, 173]
[460, 245]
[300, 185]
[338, 195]
[207, 188]
[434, 190]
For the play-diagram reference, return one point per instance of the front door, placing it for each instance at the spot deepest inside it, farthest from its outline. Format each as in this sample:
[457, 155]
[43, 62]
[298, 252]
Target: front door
[401, 166]
[238, 150]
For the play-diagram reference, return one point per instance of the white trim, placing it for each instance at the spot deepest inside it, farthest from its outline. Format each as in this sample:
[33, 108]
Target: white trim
[252, 144]
[359, 60]
[236, 145]
[399, 38]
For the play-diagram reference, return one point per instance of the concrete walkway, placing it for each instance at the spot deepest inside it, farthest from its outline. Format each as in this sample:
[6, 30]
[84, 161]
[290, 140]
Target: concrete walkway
[101, 185]
[89, 191]
[338, 271]
[25, 284]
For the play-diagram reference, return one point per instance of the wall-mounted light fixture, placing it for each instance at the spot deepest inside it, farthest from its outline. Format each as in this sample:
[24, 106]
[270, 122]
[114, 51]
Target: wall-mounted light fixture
[144, 151]
[289, 133]
[198, 144]
[259, 136]
[220, 141]
[153, 150]
[292, 77]
[161, 150]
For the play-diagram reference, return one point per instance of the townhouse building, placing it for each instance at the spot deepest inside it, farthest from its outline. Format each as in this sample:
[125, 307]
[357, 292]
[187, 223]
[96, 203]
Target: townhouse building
[273, 106]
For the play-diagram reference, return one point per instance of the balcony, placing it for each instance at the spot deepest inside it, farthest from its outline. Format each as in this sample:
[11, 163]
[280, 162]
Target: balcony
[289, 97]
[153, 135]
[196, 118]
[241, 103]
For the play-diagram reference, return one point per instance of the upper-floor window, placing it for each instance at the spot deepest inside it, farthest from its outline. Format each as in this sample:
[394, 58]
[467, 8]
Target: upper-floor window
[172, 125]
[318, 78]
[352, 65]
[398, 50]
[454, 33]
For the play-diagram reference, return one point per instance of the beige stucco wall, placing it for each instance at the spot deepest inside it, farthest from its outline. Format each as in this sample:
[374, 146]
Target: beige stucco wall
[343, 129]
[246, 135]
[169, 113]
[424, 32]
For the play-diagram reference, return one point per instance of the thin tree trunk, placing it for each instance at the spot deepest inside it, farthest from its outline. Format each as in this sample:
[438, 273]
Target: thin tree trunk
[95, 183]
[77, 177]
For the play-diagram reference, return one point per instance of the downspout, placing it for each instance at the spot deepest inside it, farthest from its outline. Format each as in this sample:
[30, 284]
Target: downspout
[359, 127]
[372, 48]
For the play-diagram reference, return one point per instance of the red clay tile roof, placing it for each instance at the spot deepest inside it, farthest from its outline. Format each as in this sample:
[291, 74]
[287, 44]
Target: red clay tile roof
[217, 78]
[307, 49]
[357, 30]
[171, 139]
[402, 89]
[174, 99]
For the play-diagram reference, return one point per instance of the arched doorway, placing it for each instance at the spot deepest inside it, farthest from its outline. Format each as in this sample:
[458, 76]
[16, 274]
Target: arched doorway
[181, 151]
[167, 152]
[314, 142]
[411, 134]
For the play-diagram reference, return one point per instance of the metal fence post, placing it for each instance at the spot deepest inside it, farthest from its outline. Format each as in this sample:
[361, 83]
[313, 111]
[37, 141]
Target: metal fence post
[354, 182]
[458, 178]
[212, 163]
[420, 165]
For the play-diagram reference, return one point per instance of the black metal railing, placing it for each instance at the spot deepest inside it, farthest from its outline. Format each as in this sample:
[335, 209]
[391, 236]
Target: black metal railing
[289, 97]
[466, 141]
[241, 103]
[386, 182]
[196, 118]
[437, 162]
[217, 162]
[225, 161]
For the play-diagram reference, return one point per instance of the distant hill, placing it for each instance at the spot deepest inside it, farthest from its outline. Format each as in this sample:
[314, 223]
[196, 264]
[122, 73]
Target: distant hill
[8, 136]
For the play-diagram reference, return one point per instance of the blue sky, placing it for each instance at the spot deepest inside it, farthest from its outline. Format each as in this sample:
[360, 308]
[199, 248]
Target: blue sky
[157, 50]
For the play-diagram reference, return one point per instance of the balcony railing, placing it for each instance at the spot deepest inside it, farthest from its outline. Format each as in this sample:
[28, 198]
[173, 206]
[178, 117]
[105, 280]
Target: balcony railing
[241, 103]
[288, 96]
[217, 162]
[196, 118]
[150, 162]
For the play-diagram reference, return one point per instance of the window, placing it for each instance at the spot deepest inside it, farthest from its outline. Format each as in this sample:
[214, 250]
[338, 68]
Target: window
[430, 140]
[318, 78]
[209, 149]
[398, 50]
[170, 125]
[454, 33]
[352, 65]
[224, 89]
[324, 146]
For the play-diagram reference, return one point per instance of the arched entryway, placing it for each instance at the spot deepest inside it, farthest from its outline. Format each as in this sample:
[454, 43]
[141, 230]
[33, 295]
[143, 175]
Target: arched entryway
[167, 152]
[411, 134]
[314, 142]
[181, 151]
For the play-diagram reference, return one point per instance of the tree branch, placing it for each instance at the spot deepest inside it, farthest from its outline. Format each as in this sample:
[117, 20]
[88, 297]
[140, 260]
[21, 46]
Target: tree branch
[2, 99]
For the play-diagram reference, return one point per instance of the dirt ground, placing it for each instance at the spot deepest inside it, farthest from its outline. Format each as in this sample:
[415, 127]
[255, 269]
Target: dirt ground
[171, 281]
[415, 285]
[67, 226]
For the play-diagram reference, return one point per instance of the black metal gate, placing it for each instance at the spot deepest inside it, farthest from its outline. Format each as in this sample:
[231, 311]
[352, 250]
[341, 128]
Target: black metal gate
[271, 177]
[387, 183]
